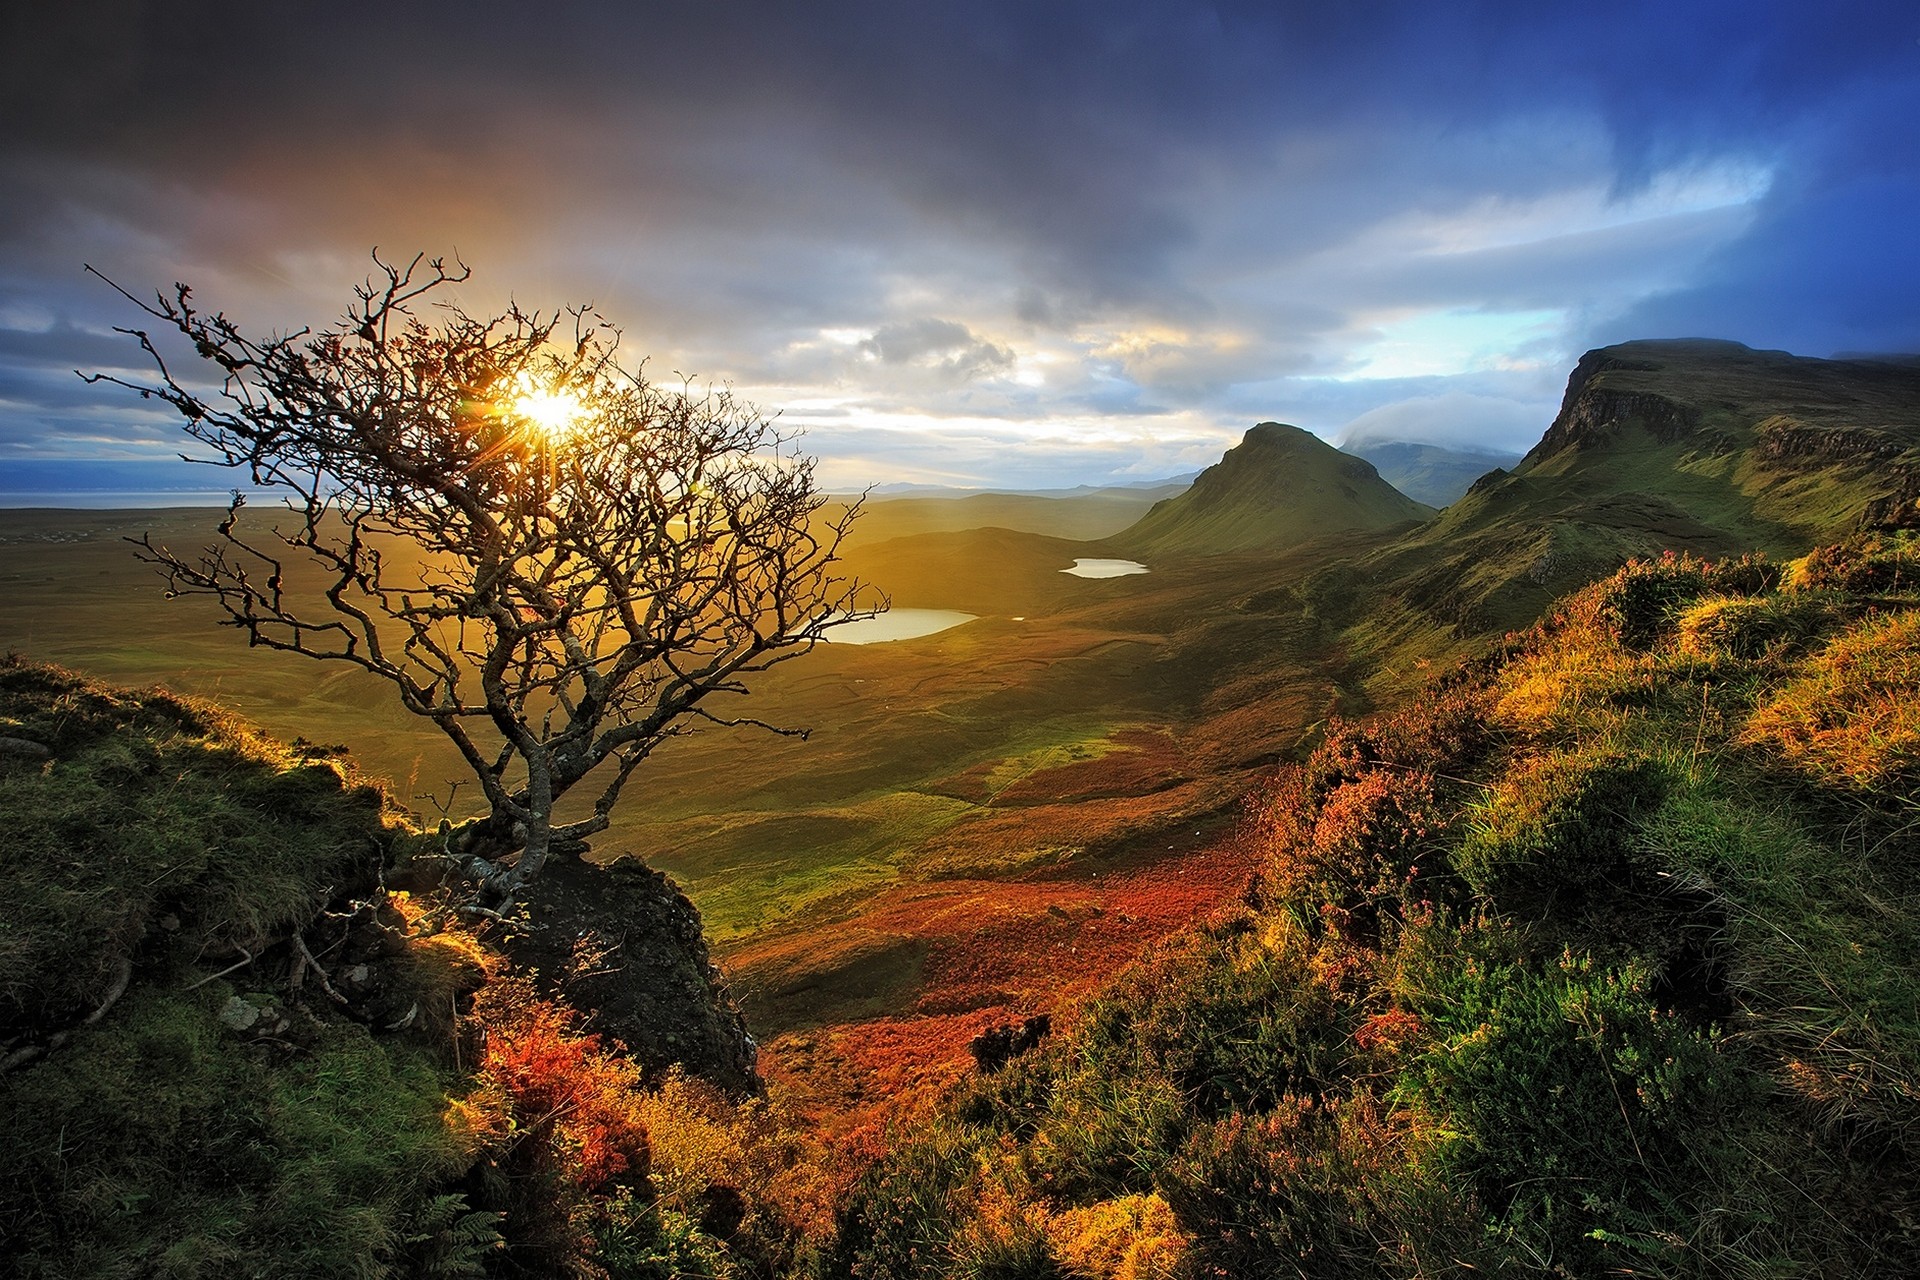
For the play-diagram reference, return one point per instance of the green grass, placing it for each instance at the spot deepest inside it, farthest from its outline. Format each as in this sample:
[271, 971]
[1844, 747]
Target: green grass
[157, 1145]
[748, 871]
[152, 807]
[162, 854]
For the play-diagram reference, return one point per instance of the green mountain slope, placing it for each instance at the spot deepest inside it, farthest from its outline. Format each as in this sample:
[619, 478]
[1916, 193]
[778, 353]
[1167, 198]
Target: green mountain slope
[1704, 447]
[1279, 487]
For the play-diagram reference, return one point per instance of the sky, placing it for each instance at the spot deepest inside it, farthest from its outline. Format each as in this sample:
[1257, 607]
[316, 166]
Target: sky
[1017, 245]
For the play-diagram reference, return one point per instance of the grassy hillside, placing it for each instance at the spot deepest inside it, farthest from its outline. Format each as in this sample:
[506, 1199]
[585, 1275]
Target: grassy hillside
[1703, 447]
[1601, 958]
[175, 1103]
[1051, 780]
[1096, 513]
[1279, 487]
[231, 1045]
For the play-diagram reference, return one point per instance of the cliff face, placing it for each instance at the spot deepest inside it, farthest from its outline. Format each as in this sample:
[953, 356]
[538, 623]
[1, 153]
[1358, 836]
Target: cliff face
[1692, 446]
[1722, 397]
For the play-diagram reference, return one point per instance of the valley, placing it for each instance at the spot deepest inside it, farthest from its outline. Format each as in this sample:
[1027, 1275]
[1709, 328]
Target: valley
[988, 817]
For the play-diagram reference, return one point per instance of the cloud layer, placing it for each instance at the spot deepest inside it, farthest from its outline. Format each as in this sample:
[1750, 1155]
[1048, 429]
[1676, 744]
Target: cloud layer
[984, 243]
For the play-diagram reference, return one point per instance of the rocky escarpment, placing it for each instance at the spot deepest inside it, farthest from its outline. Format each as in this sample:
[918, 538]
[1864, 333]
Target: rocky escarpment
[1592, 411]
[1789, 412]
[1786, 439]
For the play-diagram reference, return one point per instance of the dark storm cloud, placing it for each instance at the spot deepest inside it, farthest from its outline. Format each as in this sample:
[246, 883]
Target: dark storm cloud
[1106, 210]
[947, 346]
[1832, 261]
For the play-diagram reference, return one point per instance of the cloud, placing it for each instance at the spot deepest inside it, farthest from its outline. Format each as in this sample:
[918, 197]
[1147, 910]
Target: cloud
[1454, 419]
[1831, 261]
[1082, 222]
[945, 348]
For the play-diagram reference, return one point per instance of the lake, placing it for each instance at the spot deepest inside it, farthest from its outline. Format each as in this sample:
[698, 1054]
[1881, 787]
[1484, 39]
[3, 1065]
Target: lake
[898, 624]
[1083, 568]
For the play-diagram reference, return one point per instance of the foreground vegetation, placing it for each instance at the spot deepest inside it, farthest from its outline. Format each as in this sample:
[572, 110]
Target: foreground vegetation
[231, 1044]
[1601, 958]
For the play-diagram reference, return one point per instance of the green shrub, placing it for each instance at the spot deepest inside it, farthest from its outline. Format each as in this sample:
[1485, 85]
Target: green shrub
[1641, 603]
[1556, 834]
[1750, 627]
[640, 1239]
[1284, 1194]
[1108, 1129]
[1235, 1021]
[1868, 563]
[1580, 1112]
[899, 1219]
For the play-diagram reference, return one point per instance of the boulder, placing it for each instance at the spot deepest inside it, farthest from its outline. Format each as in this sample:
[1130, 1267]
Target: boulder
[623, 945]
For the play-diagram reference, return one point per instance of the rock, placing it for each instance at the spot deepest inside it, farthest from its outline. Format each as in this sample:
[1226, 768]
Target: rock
[238, 1014]
[23, 747]
[993, 1048]
[623, 945]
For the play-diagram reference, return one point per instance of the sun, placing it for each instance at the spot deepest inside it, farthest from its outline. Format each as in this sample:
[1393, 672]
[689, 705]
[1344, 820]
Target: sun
[554, 412]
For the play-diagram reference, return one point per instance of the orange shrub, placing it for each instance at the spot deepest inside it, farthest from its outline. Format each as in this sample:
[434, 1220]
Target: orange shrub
[573, 1107]
[1131, 1238]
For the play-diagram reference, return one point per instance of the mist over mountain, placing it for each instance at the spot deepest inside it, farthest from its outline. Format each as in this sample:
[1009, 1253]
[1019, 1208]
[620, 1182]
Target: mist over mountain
[1429, 473]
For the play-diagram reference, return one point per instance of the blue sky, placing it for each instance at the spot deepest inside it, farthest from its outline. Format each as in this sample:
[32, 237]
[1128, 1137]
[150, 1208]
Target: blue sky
[1018, 244]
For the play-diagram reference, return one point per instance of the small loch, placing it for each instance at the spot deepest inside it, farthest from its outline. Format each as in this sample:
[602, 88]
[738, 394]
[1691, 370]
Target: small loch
[1083, 568]
[898, 624]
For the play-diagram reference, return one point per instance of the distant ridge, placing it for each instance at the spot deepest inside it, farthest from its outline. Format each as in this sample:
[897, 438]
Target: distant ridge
[1429, 473]
[910, 489]
[1278, 488]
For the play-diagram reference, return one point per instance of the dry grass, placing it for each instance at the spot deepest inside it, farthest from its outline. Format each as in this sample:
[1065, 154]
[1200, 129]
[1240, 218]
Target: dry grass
[1853, 717]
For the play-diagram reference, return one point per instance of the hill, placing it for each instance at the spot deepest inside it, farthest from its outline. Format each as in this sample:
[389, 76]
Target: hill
[1081, 515]
[1428, 473]
[1601, 958]
[1278, 488]
[1645, 862]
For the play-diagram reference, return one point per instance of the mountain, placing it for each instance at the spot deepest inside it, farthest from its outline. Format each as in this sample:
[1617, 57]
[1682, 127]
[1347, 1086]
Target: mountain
[1429, 473]
[1682, 445]
[1279, 487]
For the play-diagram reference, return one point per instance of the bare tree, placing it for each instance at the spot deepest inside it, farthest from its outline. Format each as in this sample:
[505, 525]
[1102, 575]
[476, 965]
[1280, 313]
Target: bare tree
[553, 560]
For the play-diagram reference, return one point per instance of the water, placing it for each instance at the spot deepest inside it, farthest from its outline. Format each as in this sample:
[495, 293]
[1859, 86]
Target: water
[124, 499]
[898, 624]
[1083, 568]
